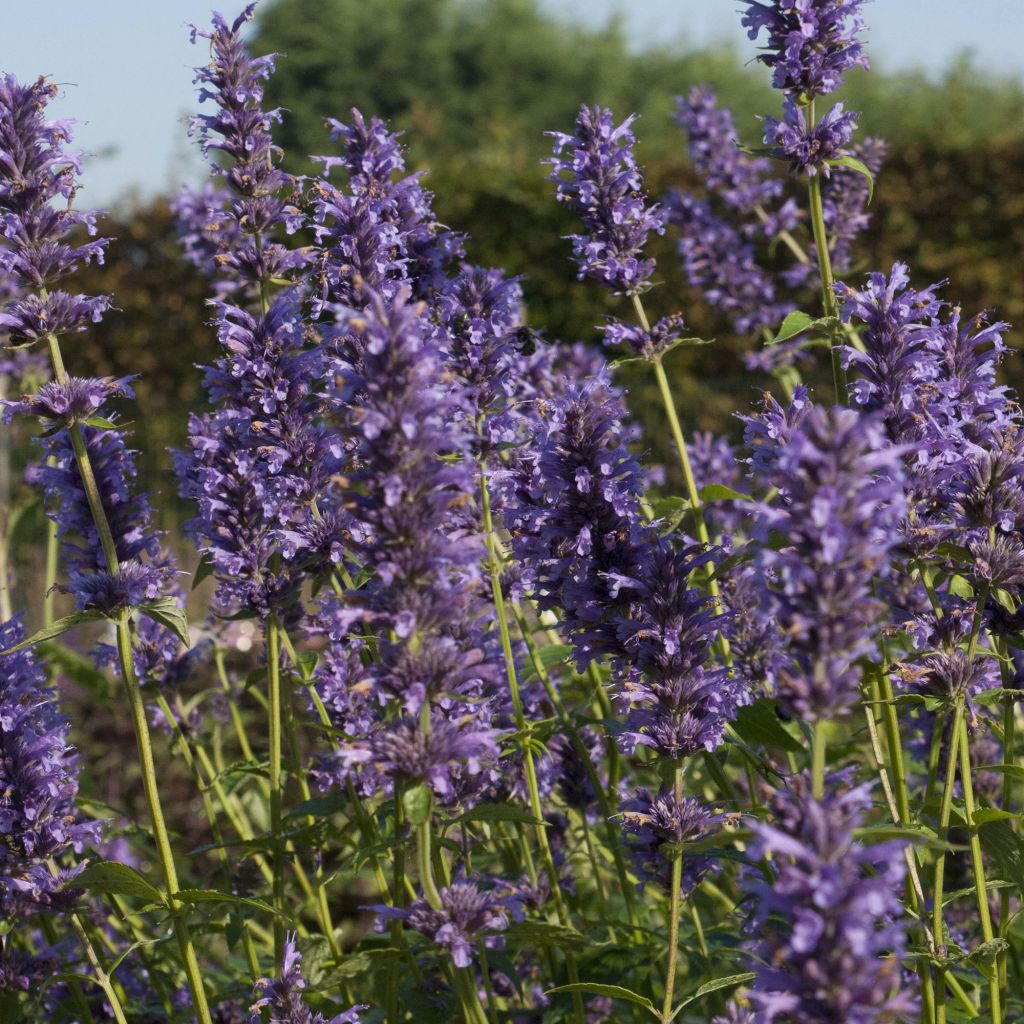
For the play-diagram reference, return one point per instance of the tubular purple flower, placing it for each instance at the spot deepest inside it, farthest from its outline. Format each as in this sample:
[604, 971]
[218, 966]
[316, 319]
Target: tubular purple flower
[281, 997]
[743, 182]
[72, 400]
[601, 180]
[841, 484]
[720, 263]
[649, 344]
[658, 827]
[844, 201]
[810, 149]
[830, 937]
[469, 913]
[811, 44]
[38, 786]
[35, 170]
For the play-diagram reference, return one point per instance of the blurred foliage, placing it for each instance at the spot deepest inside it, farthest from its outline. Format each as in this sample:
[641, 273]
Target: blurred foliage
[474, 83]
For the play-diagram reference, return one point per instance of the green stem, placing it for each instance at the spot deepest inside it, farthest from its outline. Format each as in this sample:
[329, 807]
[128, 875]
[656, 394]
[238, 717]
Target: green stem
[147, 766]
[819, 746]
[52, 559]
[945, 811]
[828, 285]
[675, 903]
[536, 808]
[275, 779]
[978, 864]
[1009, 760]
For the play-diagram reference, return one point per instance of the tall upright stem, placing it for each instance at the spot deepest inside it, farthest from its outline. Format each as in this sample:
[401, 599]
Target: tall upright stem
[675, 905]
[536, 808]
[828, 284]
[143, 741]
[274, 774]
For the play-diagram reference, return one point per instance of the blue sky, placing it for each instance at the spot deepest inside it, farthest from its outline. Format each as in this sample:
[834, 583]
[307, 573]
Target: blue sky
[125, 64]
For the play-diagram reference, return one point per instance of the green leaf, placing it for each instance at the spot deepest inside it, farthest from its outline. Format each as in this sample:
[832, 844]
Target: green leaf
[58, 628]
[985, 815]
[213, 896]
[120, 879]
[1013, 770]
[959, 587]
[548, 655]
[169, 613]
[688, 343]
[499, 812]
[526, 933]
[796, 323]
[612, 991]
[759, 724]
[320, 806]
[99, 423]
[860, 167]
[719, 492]
[714, 986]
[354, 965]
[1006, 848]
[203, 570]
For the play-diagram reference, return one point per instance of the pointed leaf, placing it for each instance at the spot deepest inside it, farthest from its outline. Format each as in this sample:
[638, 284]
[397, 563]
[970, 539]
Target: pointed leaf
[714, 986]
[611, 991]
[120, 879]
[860, 167]
[169, 613]
[57, 628]
[719, 492]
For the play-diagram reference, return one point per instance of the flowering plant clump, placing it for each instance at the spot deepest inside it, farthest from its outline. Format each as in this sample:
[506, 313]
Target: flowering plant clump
[483, 718]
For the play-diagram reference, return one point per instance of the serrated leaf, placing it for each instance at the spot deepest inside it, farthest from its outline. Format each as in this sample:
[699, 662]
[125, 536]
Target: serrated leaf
[984, 815]
[687, 343]
[169, 613]
[120, 879]
[719, 492]
[714, 986]
[860, 167]
[55, 629]
[611, 991]
[759, 724]
[101, 423]
[794, 323]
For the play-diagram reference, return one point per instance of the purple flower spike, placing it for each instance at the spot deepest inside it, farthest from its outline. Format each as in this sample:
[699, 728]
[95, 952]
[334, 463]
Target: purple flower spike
[646, 344]
[841, 482]
[659, 827]
[600, 178]
[38, 786]
[72, 400]
[830, 939]
[811, 43]
[469, 913]
[809, 150]
[281, 997]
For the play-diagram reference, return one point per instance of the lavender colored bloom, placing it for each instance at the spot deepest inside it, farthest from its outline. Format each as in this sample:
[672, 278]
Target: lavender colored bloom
[281, 997]
[677, 704]
[469, 913]
[767, 432]
[743, 182]
[649, 344]
[382, 233]
[658, 827]
[809, 149]
[573, 511]
[721, 264]
[754, 636]
[72, 400]
[37, 184]
[714, 461]
[841, 484]
[811, 44]
[402, 752]
[830, 942]
[240, 129]
[600, 178]
[38, 786]
[899, 334]
[206, 232]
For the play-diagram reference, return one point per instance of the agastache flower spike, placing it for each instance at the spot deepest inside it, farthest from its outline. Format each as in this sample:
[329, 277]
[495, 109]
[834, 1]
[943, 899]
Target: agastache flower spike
[38, 786]
[281, 997]
[810, 149]
[600, 178]
[830, 942]
[841, 483]
[811, 44]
